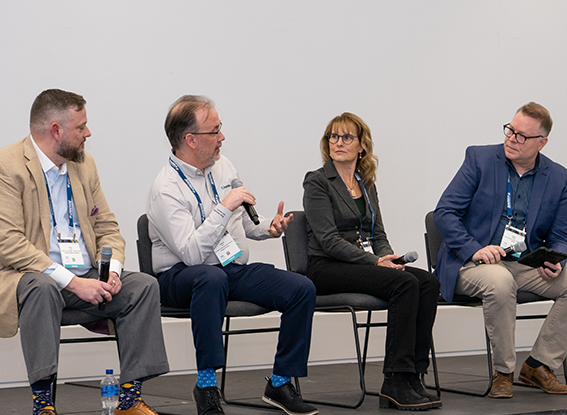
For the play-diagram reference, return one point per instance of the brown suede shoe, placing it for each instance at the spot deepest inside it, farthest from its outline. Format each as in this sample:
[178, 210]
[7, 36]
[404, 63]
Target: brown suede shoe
[501, 385]
[139, 408]
[48, 412]
[543, 378]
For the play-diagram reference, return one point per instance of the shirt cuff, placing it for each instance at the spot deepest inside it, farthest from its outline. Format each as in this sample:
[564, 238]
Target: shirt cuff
[116, 266]
[60, 274]
[221, 214]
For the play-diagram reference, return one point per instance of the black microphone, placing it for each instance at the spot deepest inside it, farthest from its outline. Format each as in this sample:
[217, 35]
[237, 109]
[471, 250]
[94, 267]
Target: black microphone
[512, 249]
[104, 268]
[235, 183]
[410, 256]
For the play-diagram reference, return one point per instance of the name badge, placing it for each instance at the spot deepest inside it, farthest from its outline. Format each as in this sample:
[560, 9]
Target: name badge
[367, 246]
[512, 236]
[227, 250]
[71, 254]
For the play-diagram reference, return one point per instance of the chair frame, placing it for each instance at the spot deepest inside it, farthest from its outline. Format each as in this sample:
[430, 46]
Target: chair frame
[145, 264]
[298, 264]
[432, 244]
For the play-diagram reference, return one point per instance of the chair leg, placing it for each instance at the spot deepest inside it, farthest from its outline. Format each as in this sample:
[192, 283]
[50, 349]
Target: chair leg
[463, 391]
[360, 360]
[227, 334]
[435, 372]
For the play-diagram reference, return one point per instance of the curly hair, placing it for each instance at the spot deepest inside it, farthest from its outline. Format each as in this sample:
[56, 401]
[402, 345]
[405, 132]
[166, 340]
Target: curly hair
[367, 164]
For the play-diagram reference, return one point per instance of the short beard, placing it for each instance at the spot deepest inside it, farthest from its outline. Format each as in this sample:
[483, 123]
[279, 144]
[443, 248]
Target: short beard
[71, 154]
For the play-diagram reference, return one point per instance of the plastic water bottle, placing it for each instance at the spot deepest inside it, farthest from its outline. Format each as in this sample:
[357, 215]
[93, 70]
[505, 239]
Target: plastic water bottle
[109, 393]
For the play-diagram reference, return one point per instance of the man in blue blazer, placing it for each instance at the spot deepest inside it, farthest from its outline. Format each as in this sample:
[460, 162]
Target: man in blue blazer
[503, 194]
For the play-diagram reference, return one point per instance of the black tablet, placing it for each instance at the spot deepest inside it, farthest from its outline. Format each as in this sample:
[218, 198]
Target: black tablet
[542, 254]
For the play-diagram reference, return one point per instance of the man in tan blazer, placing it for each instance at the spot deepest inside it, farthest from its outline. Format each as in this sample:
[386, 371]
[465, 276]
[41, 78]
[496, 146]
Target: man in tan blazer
[54, 219]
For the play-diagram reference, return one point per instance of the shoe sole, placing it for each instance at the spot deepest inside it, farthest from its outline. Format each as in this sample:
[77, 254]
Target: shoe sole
[283, 408]
[388, 402]
[530, 383]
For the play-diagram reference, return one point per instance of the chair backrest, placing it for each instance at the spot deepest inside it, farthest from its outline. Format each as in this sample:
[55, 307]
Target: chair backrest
[295, 243]
[144, 245]
[433, 241]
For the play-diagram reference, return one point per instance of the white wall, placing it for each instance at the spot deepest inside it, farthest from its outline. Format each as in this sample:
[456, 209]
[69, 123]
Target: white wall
[429, 77]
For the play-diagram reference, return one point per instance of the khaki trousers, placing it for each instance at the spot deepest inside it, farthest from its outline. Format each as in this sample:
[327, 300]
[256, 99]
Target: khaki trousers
[497, 285]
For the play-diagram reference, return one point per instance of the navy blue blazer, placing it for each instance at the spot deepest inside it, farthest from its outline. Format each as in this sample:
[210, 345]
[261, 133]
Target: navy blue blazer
[470, 208]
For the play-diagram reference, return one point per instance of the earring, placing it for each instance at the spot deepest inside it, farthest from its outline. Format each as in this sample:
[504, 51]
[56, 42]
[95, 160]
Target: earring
[360, 155]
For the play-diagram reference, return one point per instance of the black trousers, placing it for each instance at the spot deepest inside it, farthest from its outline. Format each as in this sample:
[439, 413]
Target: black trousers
[412, 295]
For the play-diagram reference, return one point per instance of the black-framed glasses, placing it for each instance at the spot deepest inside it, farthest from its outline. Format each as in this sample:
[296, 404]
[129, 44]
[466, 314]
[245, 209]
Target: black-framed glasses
[347, 138]
[520, 138]
[212, 132]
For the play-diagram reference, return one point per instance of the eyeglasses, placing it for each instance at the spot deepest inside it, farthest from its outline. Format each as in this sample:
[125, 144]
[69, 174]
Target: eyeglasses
[347, 138]
[520, 138]
[212, 132]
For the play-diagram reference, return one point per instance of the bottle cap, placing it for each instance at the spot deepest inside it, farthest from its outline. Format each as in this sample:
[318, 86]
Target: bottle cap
[109, 371]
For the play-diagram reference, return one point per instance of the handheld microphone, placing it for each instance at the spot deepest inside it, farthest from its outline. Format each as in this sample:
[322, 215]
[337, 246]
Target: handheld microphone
[235, 183]
[410, 256]
[518, 247]
[104, 268]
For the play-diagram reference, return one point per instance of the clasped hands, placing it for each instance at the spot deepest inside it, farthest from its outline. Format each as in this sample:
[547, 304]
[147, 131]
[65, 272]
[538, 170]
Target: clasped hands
[95, 291]
[492, 254]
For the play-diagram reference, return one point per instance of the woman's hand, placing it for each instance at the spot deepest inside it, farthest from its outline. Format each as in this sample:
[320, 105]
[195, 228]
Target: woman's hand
[386, 261]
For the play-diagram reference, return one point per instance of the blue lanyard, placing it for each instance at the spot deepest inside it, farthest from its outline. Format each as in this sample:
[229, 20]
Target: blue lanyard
[510, 213]
[190, 186]
[69, 206]
[359, 180]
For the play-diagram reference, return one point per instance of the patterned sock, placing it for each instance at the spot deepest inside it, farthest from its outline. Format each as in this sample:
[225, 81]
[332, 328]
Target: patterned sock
[278, 381]
[41, 393]
[130, 392]
[534, 364]
[206, 378]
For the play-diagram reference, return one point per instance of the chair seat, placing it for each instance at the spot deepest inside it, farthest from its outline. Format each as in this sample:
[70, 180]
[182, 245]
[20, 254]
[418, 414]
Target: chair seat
[233, 309]
[522, 297]
[355, 300]
[72, 317]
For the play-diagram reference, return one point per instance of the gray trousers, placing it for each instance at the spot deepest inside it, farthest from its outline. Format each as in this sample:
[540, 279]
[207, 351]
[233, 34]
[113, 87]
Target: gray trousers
[497, 285]
[135, 311]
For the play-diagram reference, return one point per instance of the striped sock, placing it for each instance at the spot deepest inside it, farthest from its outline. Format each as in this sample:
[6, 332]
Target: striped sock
[206, 378]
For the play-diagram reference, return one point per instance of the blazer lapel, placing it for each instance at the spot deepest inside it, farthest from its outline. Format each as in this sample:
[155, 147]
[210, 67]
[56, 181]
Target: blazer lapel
[34, 167]
[500, 180]
[339, 186]
[541, 179]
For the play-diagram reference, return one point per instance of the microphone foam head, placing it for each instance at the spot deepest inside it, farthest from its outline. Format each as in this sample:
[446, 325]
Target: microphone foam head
[411, 256]
[236, 183]
[106, 252]
[520, 247]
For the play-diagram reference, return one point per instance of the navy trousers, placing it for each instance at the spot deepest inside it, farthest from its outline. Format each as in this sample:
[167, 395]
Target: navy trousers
[206, 289]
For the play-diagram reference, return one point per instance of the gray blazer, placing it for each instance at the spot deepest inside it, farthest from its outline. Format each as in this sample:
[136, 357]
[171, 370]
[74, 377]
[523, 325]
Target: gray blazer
[334, 222]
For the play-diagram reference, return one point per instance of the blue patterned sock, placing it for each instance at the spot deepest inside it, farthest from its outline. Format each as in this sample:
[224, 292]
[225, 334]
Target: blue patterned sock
[206, 378]
[41, 393]
[278, 381]
[130, 392]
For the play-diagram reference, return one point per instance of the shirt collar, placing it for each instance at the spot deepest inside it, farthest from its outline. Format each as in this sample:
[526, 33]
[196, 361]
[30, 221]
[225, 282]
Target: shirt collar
[188, 169]
[528, 173]
[46, 163]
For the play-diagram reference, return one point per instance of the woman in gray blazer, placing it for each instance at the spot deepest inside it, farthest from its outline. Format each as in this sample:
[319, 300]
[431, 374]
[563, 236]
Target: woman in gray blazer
[349, 252]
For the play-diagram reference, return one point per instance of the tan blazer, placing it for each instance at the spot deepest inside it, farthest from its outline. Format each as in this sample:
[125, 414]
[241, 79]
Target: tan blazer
[25, 221]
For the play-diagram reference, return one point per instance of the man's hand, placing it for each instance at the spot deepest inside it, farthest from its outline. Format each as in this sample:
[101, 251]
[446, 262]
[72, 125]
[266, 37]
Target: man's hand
[279, 224]
[94, 291]
[490, 254]
[550, 271]
[114, 281]
[236, 197]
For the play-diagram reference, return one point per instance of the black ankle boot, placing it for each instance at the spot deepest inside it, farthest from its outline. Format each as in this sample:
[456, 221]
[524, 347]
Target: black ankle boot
[417, 386]
[397, 392]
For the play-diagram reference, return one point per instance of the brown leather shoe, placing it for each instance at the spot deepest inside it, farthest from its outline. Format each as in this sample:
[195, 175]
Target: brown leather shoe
[501, 385]
[139, 408]
[543, 378]
[47, 412]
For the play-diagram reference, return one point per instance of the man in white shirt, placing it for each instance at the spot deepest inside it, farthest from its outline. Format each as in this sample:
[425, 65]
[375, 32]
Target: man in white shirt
[54, 220]
[198, 229]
